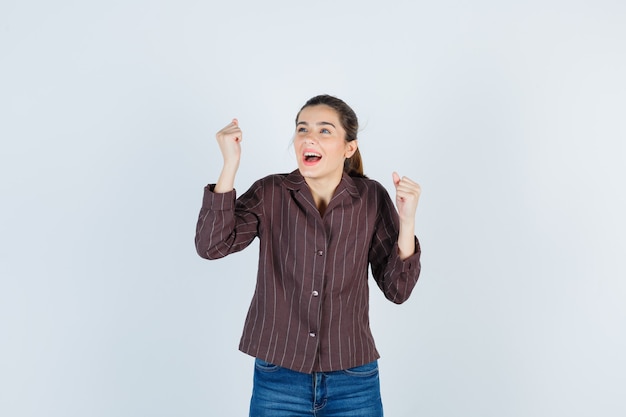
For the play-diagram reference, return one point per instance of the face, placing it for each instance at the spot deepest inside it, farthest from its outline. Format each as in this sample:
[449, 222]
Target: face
[320, 144]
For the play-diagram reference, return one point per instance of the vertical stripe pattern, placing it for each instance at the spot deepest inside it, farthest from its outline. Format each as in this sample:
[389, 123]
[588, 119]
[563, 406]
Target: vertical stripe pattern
[310, 308]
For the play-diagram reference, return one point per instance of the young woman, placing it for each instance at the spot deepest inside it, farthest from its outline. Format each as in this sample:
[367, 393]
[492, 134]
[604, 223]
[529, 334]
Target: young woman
[320, 228]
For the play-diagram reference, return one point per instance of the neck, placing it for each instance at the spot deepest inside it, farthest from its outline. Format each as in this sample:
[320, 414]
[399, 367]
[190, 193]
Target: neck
[322, 191]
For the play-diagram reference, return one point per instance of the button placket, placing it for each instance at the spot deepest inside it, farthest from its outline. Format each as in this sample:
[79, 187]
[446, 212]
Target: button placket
[318, 282]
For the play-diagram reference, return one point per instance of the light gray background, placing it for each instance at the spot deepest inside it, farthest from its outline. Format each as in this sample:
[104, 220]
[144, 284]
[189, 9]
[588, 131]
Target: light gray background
[511, 115]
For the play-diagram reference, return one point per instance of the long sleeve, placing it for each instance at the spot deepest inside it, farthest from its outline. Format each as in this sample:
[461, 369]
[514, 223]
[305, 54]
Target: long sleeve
[395, 277]
[226, 225]
[310, 308]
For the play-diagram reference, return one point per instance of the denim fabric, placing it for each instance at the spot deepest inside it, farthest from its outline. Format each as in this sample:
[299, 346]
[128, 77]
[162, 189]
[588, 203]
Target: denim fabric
[280, 392]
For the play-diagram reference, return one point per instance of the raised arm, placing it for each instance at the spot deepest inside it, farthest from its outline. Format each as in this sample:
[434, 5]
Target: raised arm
[224, 224]
[229, 141]
[407, 196]
[395, 252]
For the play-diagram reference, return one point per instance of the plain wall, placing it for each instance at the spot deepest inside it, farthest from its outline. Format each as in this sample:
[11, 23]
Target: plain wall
[511, 115]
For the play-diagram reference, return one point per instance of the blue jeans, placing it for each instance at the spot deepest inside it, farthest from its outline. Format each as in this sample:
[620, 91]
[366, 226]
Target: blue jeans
[280, 392]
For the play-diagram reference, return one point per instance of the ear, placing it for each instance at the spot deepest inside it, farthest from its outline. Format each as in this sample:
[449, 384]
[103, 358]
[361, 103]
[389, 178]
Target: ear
[351, 148]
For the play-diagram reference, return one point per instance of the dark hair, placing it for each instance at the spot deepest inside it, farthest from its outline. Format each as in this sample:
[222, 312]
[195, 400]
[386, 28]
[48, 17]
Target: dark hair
[353, 166]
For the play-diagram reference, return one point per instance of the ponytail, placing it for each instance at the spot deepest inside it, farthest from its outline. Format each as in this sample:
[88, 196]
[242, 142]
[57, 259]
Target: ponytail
[353, 166]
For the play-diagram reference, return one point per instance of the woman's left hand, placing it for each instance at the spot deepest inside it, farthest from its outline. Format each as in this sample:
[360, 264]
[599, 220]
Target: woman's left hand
[407, 196]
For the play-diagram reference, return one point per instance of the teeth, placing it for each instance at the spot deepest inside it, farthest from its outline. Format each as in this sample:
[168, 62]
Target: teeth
[312, 154]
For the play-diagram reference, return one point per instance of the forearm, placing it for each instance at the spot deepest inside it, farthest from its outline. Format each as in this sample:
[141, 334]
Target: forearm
[406, 239]
[215, 227]
[226, 180]
[229, 139]
[395, 274]
[407, 196]
[224, 226]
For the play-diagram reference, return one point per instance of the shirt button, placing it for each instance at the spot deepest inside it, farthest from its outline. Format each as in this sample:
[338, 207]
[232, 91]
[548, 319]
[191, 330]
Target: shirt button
[315, 293]
[312, 334]
[320, 252]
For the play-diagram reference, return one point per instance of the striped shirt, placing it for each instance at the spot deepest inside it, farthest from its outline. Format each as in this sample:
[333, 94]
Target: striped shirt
[310, 309]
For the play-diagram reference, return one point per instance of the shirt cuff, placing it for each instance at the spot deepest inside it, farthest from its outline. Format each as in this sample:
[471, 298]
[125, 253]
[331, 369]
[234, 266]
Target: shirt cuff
[218, 201]
[413, 261]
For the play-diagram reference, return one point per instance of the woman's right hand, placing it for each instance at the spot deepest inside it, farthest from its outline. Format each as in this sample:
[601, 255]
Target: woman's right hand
[229, 140]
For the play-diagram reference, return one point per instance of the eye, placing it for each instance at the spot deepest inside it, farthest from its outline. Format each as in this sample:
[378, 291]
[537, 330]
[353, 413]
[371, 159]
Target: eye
[301, 129]
[325, 131]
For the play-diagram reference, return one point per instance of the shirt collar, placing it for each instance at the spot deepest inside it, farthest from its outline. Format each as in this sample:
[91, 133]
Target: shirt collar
[295, 181]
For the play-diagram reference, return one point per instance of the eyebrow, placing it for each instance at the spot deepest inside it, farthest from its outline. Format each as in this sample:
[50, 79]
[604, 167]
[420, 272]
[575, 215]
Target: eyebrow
[319, 124]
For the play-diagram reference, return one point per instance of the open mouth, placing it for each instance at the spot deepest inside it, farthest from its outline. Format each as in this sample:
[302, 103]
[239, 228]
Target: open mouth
[311, 158]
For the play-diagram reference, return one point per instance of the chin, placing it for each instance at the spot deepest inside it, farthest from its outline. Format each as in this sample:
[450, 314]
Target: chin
[306, 172]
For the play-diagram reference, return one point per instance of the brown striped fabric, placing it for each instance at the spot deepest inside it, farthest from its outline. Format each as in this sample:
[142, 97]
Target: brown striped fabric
[310, 309]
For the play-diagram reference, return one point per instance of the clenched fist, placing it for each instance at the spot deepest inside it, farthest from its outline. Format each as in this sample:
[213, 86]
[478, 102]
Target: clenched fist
[229, 140]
